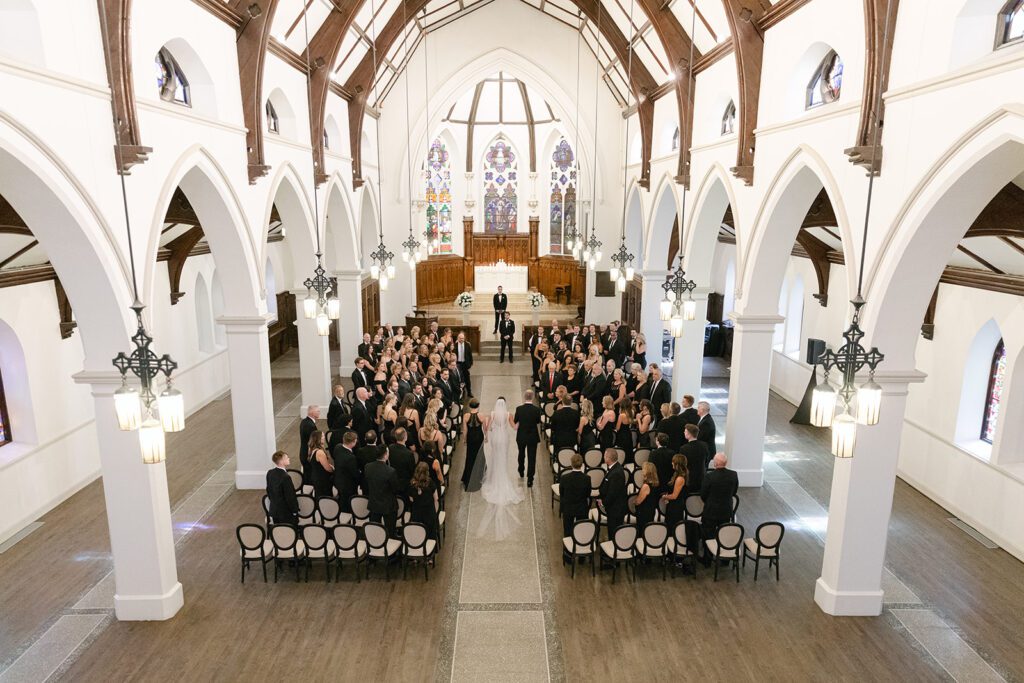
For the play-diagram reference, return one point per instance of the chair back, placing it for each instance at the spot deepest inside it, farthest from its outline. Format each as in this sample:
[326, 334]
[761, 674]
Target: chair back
[565, 458]
[549, 409]
[252, 536]
[655, 535]
[345, 536]
[360, 508]
[769, 535]
[266, 508]
[307, 509]
[694, 506]
[735, 505]
[620, 455]
[729, 536]
[376, 535]
[584, 532]
[662, 506]
[679, 533]
[328, 509]
[638, 478]
[631, 504]
[596, 479]
[414, 536]
[296, 477]
[284, 536]
[593, 458]
[625, 537]
[641, 456]
[400, 502]
[315, 536]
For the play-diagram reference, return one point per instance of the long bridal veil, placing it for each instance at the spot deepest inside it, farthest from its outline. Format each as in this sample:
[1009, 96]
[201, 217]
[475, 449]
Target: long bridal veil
[500, 488]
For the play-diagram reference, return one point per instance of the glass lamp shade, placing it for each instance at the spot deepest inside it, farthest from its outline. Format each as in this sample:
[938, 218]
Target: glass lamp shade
[676, 326]
[405, 256]
[419, 257]
[598, 255]
[391, 270]
[384, 280]
[613, 272]
[630, 272]
[592, 263]
[323, 324]
[151, 441]
[844, 435]
[309, 305]
[869, 403]
[665, 310]
[689, 310]
[128, 408]
[569, 244]
[172, 410]
[621, 283]
[333, 308]
[823, 405]
[412, 264]
[375, 271]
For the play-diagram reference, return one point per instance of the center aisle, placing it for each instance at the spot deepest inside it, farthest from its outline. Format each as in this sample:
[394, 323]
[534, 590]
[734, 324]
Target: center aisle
[499, 610]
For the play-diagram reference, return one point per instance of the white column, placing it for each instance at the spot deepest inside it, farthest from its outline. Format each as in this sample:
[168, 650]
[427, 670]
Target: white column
[650, 319]
[252, 404]
[350, 324]
[314, 359]
[146, 586]
[748, 395]
[859, 509]
[688, 368]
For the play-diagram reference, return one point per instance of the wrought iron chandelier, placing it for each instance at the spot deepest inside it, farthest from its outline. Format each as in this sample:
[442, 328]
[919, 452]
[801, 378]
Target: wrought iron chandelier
[860, 405]
[382, 267]
[622, 271]
[591, 247]
[675, 308]
[321, 302]
[411, 246]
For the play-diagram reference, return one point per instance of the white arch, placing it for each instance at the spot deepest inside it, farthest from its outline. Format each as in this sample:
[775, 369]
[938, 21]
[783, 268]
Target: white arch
[664, 212]
[21, 37]
[368, 223]
[296, 211]
[203, 94]
[341, 242]
[204, 315]
[700, 237]
[634, 217]
[17, 387]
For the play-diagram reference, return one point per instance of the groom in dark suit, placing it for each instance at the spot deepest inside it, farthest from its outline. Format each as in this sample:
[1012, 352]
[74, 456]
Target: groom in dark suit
[507, 330]
[527, 424]
[500, 304]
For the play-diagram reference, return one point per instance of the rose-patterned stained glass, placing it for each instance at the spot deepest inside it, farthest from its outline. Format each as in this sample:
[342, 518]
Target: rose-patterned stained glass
[563, 195]
[501, 203]
[996, 384]
[439, 198]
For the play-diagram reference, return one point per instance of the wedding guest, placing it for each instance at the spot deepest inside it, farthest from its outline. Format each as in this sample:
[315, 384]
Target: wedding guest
[647, 497]
[401, 459]
[306, 428]
[321, 465]
[382, 487]
[573, 494]
[424, 492]
[526, 422]
[284, 505]
[613, 493]
[346, 470]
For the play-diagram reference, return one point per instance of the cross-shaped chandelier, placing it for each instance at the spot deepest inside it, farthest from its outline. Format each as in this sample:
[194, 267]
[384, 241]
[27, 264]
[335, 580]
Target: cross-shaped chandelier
[622, 271]
[678, 304]
[321, 302]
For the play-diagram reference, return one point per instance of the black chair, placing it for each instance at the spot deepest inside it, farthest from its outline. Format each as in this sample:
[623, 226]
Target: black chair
[296, 477]
[380, 546]
[735, 507]
[319, 546]
[329, 512]
[307, 509]
[416, 547]
[360, 510]
[347, 546]
[679, 549]
[254, 546]
[582, 543]
[266, 510]
[726, 546]
[287, 546]
[652, 545]
[766, 544]
[621, 549]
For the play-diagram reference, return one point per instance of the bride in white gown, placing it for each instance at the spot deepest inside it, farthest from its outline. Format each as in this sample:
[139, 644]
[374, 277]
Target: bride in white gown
[500, 489]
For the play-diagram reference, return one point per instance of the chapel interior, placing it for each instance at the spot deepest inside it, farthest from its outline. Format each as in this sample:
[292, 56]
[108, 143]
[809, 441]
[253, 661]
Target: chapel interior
[228, 225]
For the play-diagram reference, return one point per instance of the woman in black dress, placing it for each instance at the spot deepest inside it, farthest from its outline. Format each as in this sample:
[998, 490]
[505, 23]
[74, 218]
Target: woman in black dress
[422, 509]
[640, 349]
[432, 457]
[322, 476]
[573, 382]
[473, 435]
[624, 427]
[647, 498]
[588, 437]
[675, 499]
[606, 423]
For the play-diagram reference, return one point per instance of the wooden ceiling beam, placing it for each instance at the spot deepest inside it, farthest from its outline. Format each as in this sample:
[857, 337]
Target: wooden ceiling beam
[180, 248]
[748, 48]
[252, 43]
[817, 252]
[115, 29]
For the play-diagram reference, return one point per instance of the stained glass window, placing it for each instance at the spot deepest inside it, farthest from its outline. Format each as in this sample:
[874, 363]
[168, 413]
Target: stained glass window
[996, 383]
[563, 195]
[1013, 21]
[500, 198]
[729, 119]
[827, 82]
[170, 79]
[438, 177]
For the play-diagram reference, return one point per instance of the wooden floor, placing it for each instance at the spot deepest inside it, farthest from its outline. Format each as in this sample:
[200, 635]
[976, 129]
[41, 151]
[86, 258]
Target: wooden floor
[647, 630]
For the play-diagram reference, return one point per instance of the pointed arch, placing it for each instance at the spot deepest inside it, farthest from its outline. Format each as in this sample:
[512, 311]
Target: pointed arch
[341, 242]
[635, 228]
[713, 196]
[368, 222]
[296, 211]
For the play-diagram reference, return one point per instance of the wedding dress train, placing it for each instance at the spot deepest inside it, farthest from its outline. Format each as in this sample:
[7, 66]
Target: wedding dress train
[501, 489]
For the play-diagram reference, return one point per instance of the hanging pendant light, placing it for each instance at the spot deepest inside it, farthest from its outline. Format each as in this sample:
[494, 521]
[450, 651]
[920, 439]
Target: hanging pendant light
[622, 272]
[383, 267]
[823, 404]
[152, 443]
[844, 435]
[171, 406]
[127, 407]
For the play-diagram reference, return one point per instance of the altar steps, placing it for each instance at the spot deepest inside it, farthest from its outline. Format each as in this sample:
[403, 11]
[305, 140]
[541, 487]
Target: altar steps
[482, 314]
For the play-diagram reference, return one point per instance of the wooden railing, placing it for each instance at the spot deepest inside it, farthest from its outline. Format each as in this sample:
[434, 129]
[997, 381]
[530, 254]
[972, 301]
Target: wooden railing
[439, 279]
[550, 272]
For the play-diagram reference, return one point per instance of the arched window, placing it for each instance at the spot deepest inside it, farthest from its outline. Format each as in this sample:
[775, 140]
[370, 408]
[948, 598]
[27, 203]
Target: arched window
[327, 140]
[827, 81]
[1012, 22]
[729, 119]
[170, 79]
[994, 397]
[501, 203]
[438, 176]
[563, 194]
[5, 420]
[273, 122]
[675, 140]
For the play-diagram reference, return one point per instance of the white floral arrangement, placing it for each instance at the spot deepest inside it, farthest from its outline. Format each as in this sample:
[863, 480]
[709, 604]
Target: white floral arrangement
[537, 299]
[464, 300]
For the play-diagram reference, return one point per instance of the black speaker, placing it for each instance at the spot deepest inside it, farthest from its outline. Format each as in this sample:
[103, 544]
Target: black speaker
[815, 347]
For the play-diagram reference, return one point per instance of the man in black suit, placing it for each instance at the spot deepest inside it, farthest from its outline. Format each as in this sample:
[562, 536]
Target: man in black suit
[613, 492]
[507, 332]
[500, 304]
[346, 470]
[526, 422]
[550, 381]
[401, 459]
[381, 489]
[284, 506]
[706, 427]
[361, 376]
[615, 351]
[673, 426]
[362, 412]
[696, 454]
[594, 387]
[565, 424]
[306, 429]
[720, 485]
[661, 390]
[336, 408]
[662, 459]
[573, 494]
[689, 413]
[369, 451]
[464, 359]
[447, 387]
[366, 350]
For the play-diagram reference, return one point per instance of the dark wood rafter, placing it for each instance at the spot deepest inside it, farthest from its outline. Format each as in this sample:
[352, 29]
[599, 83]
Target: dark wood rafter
[817, 252]
[530, 125]
[252, 44]
[180, 248]
[677, 47]
[748, 48]
[779, 10]
[116, 19]
[928, 326]
[67, 316]
[877, 58]
[1003, 216]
